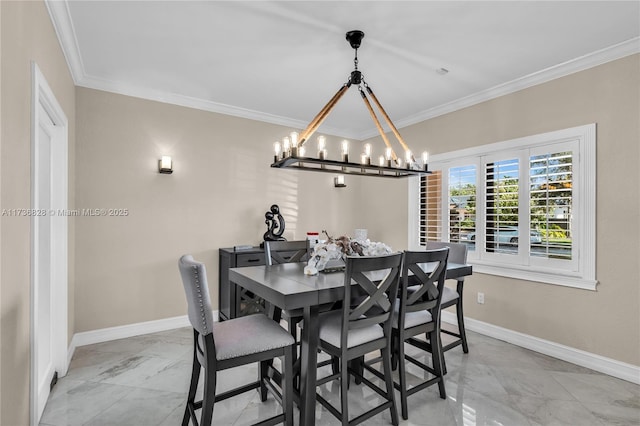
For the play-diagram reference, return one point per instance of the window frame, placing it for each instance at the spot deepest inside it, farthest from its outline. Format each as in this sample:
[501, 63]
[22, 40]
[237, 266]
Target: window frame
[582, 273]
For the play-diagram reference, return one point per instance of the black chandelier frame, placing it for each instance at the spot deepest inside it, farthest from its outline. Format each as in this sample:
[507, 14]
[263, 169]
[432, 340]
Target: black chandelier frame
[391, 168]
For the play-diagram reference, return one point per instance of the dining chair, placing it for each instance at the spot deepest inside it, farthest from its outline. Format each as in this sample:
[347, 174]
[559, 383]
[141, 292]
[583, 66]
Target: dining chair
[362, 326]
[451, 297]
[232, 343]
[277, 252]
[418, 313]
[286, 251]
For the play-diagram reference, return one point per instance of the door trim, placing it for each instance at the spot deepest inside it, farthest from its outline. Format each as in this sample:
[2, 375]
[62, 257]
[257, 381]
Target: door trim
[42, 96]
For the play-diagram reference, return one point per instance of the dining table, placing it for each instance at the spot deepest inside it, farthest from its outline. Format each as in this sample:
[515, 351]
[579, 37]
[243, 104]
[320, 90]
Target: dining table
[286, 287]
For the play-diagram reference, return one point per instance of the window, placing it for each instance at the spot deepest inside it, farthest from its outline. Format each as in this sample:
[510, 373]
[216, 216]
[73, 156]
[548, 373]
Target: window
[525, 208]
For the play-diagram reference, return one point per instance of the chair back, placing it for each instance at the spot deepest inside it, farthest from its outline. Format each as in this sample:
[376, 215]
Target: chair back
[276, 252]
[371, 285]
[426, 287]
[457, 251]
[194, 280]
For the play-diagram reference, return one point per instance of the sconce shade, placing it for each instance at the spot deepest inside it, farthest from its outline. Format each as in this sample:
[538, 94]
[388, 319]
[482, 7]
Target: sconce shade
[338, 181]
[165, 165]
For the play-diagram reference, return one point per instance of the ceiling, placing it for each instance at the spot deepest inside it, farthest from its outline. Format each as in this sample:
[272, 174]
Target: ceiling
[280, 62]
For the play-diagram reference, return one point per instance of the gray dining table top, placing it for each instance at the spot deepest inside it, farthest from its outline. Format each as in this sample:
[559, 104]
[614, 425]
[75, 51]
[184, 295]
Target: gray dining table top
[286, 285]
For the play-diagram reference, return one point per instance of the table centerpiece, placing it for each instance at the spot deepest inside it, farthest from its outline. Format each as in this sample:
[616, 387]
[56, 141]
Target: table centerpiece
[329, 255]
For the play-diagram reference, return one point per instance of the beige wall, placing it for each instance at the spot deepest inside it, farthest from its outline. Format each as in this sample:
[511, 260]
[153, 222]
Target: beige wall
[217, 196]
[26, 35]
[606, 322]
[126, 266]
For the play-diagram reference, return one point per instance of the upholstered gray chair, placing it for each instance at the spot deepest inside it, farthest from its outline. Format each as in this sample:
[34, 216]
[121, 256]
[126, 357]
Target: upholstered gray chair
[232, 343]
[363, 325]
[418, 313]
[451, 297]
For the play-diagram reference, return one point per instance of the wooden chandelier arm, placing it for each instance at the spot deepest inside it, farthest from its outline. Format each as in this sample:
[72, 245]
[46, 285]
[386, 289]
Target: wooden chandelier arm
[320, 117]
[389, 122]
[378, 125]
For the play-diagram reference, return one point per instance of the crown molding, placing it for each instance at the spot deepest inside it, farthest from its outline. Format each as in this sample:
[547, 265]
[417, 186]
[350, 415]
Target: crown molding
[63, 26]
[201, 104]
[599, 57]
[60, 16]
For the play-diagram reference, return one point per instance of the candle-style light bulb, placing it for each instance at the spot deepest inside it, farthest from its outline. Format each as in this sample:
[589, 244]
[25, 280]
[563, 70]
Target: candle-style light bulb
[387, 153]
[425, 160]
[301, 151]
[294, 139]
[345, 151]
[407, 156]
[365, 158]
[287, 149]
[322, 153]
[381, 161]
[278, 150]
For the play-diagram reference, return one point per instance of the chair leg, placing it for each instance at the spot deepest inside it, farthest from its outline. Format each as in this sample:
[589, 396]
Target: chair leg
[263, 373]
[209, 397]
[388, 378]
[335, 364]
[394, 349]
[344, 390]
[193, 387]
[403, 378]
[293, 330]
[461, 328]
[356, 367]
[432, 341]
[287, 385]
[437, 358]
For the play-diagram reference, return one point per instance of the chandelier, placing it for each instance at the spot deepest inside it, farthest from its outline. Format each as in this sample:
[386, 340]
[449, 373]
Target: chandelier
[291, 153]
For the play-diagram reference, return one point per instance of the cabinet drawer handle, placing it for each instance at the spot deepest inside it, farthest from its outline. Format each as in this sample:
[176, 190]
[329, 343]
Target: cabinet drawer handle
[253, 260]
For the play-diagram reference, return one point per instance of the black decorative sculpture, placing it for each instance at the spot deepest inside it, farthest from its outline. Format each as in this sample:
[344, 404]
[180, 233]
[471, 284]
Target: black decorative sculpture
[275, 224]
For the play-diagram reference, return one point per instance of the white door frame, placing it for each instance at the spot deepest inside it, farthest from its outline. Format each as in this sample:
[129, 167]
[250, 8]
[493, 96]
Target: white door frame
[43, 100]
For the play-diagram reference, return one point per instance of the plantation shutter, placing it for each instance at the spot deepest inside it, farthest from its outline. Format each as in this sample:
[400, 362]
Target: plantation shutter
[431, 207]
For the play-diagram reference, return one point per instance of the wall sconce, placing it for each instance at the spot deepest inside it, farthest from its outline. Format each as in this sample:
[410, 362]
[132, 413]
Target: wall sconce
[165, 165]
[338, 182]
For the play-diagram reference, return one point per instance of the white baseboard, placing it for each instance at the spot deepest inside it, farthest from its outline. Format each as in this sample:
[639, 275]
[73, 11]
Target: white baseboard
[621, 370]
[124, 331]
[595, 362]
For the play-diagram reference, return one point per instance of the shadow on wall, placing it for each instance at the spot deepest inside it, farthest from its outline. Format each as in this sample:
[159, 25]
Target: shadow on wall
[283, 188]
[266, 186]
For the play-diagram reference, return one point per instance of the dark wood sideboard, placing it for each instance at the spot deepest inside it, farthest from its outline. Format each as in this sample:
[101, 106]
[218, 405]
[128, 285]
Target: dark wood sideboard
[234, 301]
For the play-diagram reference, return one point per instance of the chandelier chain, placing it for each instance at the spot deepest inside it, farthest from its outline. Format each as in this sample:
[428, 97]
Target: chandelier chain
[355, 59]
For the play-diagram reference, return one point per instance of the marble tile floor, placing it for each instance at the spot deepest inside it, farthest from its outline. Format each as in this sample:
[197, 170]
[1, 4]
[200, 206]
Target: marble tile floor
[143, 381]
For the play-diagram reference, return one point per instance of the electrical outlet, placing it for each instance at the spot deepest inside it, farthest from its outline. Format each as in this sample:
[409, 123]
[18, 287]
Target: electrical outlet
[481, 298]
